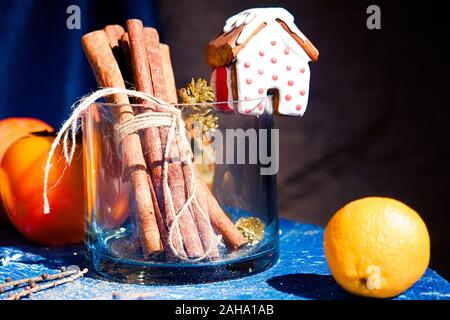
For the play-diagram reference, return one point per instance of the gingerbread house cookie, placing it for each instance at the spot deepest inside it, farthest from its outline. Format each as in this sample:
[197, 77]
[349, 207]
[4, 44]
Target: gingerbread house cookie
[260, 50]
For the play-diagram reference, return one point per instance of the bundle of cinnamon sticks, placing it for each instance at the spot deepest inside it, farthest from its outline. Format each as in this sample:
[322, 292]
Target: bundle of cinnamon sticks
[136, 57]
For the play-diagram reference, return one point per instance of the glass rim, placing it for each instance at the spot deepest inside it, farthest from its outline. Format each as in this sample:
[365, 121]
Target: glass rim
[268, 98]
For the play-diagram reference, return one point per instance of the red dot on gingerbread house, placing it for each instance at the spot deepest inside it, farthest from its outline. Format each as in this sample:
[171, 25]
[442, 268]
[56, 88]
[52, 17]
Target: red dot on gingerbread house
[261, 71]
[260, 106]
[298, 107]
[273, 42]
[275, 77]
[302, 92]
[302, 70]
[248, 110]
[286, 51]
[261, 53]
[288, 97]
[261, 91]
[273, 60]
[249, 81]
[247, 64]
[288, 68]
[290, 83]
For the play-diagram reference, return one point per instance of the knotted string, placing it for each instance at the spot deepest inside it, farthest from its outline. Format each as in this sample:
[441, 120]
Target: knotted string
[170, 117]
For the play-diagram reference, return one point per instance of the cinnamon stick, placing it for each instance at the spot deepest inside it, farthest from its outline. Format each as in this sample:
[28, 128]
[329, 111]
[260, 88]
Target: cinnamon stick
[220, 221]
[218, 218]
[119, 43]
[169, 78]
[147, 83]
[163, 80]
[203, 222]
[114, 33]
[175, 170]
[107, 72]
[150, 137]
[155, 62]
[161, 223]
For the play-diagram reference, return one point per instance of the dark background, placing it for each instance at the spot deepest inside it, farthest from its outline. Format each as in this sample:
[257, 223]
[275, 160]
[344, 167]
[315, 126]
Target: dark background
[378, 117]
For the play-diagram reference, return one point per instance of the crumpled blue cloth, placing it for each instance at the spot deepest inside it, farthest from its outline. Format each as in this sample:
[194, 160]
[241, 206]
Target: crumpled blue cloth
[301, 273]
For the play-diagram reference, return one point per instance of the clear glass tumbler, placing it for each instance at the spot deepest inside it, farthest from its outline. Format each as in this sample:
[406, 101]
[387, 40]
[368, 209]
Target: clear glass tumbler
[236, 161]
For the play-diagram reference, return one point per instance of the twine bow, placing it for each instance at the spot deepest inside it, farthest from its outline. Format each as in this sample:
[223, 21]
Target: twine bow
[170, 117]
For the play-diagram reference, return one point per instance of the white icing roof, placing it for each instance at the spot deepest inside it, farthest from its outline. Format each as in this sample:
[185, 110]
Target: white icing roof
[253, 18]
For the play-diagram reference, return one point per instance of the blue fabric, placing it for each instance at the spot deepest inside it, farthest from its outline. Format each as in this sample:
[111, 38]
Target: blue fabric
[301, 273]
[43, 70]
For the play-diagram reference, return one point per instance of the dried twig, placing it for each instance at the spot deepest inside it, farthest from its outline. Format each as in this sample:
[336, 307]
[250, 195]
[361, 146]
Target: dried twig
[33, 280]
[30, 290]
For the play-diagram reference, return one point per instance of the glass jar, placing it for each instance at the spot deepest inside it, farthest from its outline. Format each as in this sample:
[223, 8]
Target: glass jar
[235, 161]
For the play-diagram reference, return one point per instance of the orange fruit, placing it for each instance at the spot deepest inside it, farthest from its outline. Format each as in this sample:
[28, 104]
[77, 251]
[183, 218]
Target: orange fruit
[22, 176]
[12, 129]
[377, 247]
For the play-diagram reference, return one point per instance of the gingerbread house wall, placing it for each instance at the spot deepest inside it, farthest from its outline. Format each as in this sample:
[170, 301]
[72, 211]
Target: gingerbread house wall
[273, 60]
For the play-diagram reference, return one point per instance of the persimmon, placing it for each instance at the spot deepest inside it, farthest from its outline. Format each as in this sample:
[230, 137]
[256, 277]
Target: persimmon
[21, 177]
[12, 129]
